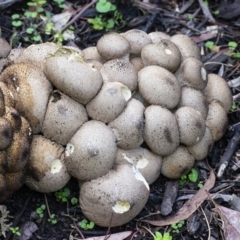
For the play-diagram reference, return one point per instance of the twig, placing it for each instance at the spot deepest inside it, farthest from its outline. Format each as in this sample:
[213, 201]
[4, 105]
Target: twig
[209, 229]
[206, 11]
[75, 18]
[229, 151]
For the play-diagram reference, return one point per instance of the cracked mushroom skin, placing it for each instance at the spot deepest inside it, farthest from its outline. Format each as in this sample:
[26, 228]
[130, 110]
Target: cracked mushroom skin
[30, 89]
[91, 151]
[70, 74]
[115, 198]
[46, 169]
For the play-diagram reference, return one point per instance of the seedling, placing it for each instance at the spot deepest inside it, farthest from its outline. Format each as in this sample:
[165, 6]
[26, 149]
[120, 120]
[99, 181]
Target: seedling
[192, 177]
[74, 201]
[232, 45]
[40, 210]
[63, 194]
[235, 106]
[101, 21]
[211, 45]
[177, 226]
[15, 231]
[52, 219]
[86, 225]
[60, 3]
[165, 236]
[16, 22]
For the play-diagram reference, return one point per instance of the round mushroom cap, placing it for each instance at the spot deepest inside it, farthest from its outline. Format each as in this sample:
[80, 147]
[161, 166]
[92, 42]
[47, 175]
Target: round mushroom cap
[191, 125]
[161, 130]
[156, 37]
[137, 63]
[5, 48]
[109, 103]
[148, 163]
[36, 54]
[217, 120]
[30, 89]
[91, 151]
[119, 70]
[113, 45]
[128, 126]
[195, 99]
[115, 198]
[158, 86]
[187, 47]
[192, 73]
[91, 53]
[217, 89]
[137, 39]
[70, 74]
[63, 118]
[201, 149]
[178, 163]
[164, 54]
[47, 171]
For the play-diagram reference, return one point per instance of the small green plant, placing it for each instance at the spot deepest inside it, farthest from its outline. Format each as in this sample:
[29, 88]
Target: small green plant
[177, 226]
[63, 194]
[15, 231]
[211, 45]
[86, 225]
[103, 6]
[165, 236]
[16, 21]
[60, 3]
[200, 185]
[104, 22]
[74, 201]
[52, 219]
[192, 177]
[40, 210]
[216, 13]
[232, 45]
[235, 106]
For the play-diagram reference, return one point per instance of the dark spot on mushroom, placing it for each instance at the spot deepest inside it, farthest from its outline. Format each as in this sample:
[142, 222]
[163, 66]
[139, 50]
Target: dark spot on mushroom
[93, 151]
[167, 135]
[169, 81]
[112, 91]
[199, 125]
[62, 109]
[25, 154]
[165, 44]
[56, 97]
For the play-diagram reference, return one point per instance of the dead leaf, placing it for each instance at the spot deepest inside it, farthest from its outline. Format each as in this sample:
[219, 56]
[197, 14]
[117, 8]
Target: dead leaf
[231, 221]
[115, 236]
[3, 219]
[190, 206]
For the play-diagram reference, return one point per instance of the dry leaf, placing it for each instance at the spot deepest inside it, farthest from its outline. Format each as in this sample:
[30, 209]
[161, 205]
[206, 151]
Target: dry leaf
[190, 206]
[115, 236]
[231, 221]
[3, 219]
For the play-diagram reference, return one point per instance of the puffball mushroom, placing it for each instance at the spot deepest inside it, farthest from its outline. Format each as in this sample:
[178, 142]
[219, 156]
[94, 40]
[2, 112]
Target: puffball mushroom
[120, 196]
[63, 118]
[177, 163]
[68, 72]
[30, 89]
[217, 89]
[161, 130]
[109, 103]
[91, 151]
[159, 86]
[128, 126]
[119, 70]
[148, 163]
[137, 39]
[47, 171]
[164, 54]
[113, 45]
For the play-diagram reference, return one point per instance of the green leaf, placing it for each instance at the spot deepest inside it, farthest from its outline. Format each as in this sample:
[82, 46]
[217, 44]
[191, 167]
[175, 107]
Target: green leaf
[216, 13]
[232, 45]
[110, 24]
[30, 30]
[103, 7]
[158, 236]
[66, 192]
[17, 23]
[15, 16]
[28, 14]
[32, 4]
[193, 176]
[34, 14]
[200, 185]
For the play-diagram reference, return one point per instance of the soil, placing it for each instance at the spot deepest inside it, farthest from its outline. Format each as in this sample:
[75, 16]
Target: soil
[171, 17]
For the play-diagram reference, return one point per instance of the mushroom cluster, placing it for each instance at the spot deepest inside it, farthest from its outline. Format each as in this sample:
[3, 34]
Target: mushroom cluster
[114, 116]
